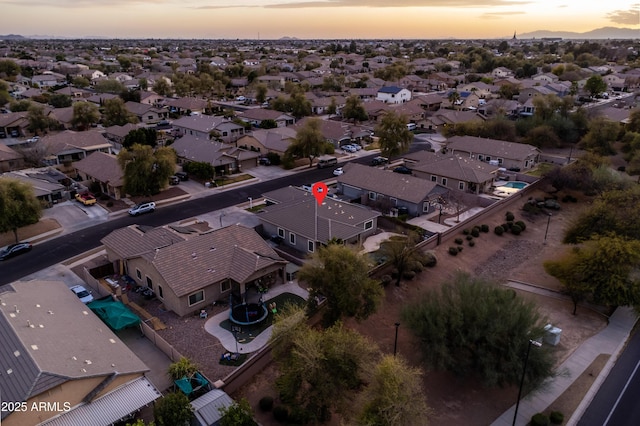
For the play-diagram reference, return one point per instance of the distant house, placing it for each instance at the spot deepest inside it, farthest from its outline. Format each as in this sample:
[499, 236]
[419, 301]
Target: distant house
[452, 171]
[116, 134]
[505, 154]
[68, 146]
[49, 184]
[13, 124]
[10, 159]
[146, 113]
[304, 225]
[225, 158]
[103, 169]
[337, 132]
[268, 140]
[201, 126]
[256, 116]
[64, 116]
[188, 270]
[501, 72]
[57, 353]
[393, 95]
[186, 105]
[385, 190]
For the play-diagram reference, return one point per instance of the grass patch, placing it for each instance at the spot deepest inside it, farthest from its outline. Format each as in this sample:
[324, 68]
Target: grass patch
[255, 209]
[249, 332]
[232, 179]
[372, 146]
[238, 361]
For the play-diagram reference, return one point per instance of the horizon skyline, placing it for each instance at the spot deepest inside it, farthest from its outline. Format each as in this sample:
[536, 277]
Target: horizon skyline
[316, 19]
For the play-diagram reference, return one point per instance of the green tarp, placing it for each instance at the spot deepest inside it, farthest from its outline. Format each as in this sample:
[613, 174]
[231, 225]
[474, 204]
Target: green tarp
[114, 313]
[189, 385]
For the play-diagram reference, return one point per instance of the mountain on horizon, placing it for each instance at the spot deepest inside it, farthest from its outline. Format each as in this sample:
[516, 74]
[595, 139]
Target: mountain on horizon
[598, 33]
[12, 37]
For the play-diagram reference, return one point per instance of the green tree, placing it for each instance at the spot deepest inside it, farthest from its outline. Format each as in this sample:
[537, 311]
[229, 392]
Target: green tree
[80, 82]
[394, 396]
[333, 107]
[200, 169]
[354, 110]
[142, 136]
[109, 86]
[18, 206]
[22, 105]
[400, 252]
[601, 136]
[162, 87]
[309, 142]
[261, 93]
[474, 328]
[58, 100]
[341, 275]
[595, 85]
[146, 172]
[115, 113]
[174, 409]
[184, 367]
[322, 369]
[238, 414]
[395, 138]
[602, 269]
[38, 121]
[5, 97]
[269, 123]
[84, 115]
[9, 70]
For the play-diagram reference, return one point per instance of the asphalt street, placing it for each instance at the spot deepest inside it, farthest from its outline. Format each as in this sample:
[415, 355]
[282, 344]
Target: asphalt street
[616, 403]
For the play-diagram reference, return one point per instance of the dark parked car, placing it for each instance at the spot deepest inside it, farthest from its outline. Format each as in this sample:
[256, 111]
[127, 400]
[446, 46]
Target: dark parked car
[182, 175]
[264, 161]
[174, 180]
[14, 250]
[378, 161]
[403, 170]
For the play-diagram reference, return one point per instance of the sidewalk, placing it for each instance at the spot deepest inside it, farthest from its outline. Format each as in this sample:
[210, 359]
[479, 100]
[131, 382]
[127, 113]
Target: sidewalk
[611, 340]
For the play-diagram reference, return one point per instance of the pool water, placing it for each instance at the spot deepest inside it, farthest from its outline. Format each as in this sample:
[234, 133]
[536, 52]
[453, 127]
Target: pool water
[515, 184]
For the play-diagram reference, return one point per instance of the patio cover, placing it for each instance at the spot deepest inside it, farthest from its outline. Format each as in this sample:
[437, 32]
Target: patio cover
[114, 313]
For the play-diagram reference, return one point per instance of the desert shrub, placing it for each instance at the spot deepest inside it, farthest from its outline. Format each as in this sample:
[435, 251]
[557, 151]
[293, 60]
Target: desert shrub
[453, 251]
[530, 207]
[469, 237]
[509, 216]
[104, 197]
[415, 266]
[521, 224]
[539, 419]
[484, 227]
[460, 248]
[280, 413]
[466, 231]
[508, 225]
[403, 217]
[409, 275]
[475, 232]
[516, 230]
[266, 403]
[556, 417]
[458, 241]
[498, 230]
[300, 416]
[429, 259]
[386, 279]
[472, 243]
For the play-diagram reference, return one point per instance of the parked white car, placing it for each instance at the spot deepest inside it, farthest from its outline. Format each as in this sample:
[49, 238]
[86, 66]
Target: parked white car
[142, 208]
[338, 171]
[83, 294]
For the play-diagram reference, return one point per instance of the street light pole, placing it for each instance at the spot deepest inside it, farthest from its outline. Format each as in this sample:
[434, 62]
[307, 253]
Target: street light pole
[524, 371]
[546, 231]
[395, 344]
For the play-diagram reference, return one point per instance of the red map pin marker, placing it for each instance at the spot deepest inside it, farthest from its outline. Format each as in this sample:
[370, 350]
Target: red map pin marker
[319, 191]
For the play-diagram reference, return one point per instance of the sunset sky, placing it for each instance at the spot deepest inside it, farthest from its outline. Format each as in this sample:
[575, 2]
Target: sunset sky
[343, 19]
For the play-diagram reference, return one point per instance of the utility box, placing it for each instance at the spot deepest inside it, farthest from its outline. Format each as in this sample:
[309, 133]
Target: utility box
[552, 335]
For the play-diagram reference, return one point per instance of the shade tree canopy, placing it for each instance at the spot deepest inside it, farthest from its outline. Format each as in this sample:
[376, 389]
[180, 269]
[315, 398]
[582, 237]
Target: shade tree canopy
[18, 206]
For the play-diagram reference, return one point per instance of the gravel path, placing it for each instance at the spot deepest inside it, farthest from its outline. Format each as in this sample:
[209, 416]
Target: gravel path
[500, 264]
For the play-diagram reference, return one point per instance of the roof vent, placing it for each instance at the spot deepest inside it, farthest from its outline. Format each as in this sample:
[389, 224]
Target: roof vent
[212, 249]
[88, 361]
[29, 324]
[16, 353]
[15, 307]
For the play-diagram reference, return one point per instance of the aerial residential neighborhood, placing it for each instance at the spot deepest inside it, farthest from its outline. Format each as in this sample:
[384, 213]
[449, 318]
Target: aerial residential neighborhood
[201, 196]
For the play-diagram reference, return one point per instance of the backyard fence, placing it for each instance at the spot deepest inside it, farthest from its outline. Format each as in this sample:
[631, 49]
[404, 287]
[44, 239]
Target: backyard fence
[159, 342]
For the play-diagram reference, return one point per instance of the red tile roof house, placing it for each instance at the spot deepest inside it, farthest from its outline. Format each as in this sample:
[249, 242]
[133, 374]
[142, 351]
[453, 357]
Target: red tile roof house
[104, 169]
[201, 127]
[386, 190]
[188, 270]
[509, 155]
[304, 225]
[65, 147]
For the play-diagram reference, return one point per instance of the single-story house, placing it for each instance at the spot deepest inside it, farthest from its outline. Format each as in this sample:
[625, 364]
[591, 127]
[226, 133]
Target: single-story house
[302, 224]
[386, 191]
[68, 146]
[188, 270]
[256, 116]
[223, 157]
[337, 132]
[58, 354]
[146, 113]
[509, 155]
[13, 124]
[264, 141]
[10, 159]
[49, 184]
[104, 169]
[185, 106]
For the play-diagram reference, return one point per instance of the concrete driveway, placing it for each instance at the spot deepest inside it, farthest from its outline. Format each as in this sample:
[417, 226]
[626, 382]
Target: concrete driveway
[72, 216]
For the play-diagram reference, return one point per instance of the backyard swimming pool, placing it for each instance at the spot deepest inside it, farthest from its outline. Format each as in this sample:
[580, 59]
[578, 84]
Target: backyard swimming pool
[515, 184]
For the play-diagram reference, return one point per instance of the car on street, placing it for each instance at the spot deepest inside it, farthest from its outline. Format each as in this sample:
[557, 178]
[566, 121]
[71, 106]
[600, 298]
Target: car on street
[378, 161]
[14, 250]
[338, 171]
[142, 208]
[83, 294]
[402, 170]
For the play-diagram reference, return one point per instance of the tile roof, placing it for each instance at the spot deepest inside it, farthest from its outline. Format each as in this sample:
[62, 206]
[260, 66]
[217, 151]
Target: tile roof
[396, 185]
[263, 114]
[200, 123]
[456, 167]
[8, 154]
[492, 147]
[103, 167]
[333, 218]
[71, 140]
[195, 149]
[277, 139]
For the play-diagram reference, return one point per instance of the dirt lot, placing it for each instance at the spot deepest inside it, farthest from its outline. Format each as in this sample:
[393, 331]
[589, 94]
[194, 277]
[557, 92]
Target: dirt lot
[507, 257]
[28, 232]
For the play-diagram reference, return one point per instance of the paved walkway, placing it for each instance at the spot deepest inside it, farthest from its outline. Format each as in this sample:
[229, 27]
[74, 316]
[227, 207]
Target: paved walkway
[226, 338]
[611, 340]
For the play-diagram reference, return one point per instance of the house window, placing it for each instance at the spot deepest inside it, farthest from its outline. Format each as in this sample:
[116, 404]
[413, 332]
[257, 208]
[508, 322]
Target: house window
[461, 186]
[372, 195]
[434, 178]
[224, 133]
[368, 224]
[160, 294]
[196, 297]
[526, 164]
[425, 207]
[310, 246]
[500, 161]
[138, 274]
[149, 117]
[280, 232]
[225, 286]
[292, 238]
[487, 159]
[480, 157]
[394, 201]
[444, 181]
[149, 282]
